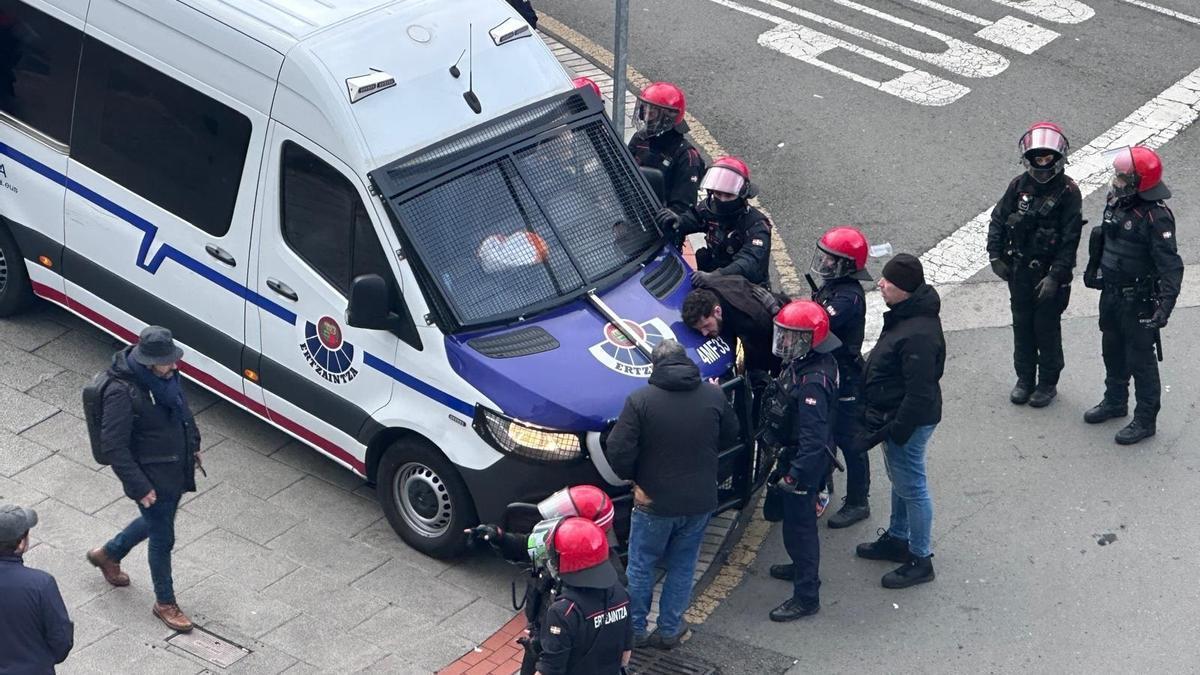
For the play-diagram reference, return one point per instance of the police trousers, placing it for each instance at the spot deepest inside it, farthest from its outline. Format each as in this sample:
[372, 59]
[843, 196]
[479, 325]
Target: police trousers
[1037, 327]
[803, 545]
[1128, 350]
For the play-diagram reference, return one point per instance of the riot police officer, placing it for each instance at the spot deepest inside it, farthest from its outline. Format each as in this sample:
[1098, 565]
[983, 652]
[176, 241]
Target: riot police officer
[797, 417]
[661, 143]
[737, 236]
[1032, 241]
[1133, 260]
[840, 261]
[587, 629]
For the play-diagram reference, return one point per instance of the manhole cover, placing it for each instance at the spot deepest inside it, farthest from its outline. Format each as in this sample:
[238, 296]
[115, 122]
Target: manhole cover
[211, 648]
[655, 662]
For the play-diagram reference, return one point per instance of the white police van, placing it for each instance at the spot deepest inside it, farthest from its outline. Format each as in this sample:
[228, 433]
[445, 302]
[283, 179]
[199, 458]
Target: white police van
[390, 228]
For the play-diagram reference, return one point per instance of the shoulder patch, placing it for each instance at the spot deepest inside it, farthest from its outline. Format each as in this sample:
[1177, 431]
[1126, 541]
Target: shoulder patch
[810, 400]
[555, 630]
[756, 242]
[1166, 234]
[831, 309]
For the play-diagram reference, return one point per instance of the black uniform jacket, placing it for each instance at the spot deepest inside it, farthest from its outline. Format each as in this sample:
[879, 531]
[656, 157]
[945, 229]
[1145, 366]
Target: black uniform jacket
[587, 630]
[1139, 242]
[674, 155]
[901, 381]
[738, 243]
[814, 394]
[845, 302]
[1047, 230]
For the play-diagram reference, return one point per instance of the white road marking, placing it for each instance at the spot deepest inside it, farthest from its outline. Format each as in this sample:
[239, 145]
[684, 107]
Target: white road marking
[1057, 11]
[1163, 10]
[1009, 31]
[961, 255]
[961, 58]
[807, 45]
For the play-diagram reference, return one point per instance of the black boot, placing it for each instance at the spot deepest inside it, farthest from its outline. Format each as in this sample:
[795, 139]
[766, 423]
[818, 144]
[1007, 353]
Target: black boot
[915, 571]
[1137, 430]
[849, 514]
[1043, 395]
[783, 572]
[1021, 392]
[794, 609]
[886, 547]
[1105, 410]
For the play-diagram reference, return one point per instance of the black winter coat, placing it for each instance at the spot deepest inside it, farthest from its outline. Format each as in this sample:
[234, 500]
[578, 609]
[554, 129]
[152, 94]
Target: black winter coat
[668, 437]
[35, 631]
[147, 448]
[900, 383]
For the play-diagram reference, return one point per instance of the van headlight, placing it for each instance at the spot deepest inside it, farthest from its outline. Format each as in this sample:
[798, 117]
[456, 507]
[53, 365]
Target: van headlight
[514, 437]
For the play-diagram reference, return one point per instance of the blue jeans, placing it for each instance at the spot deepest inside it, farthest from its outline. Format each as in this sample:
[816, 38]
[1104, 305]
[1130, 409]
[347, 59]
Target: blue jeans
[912, 507]
[158, 524]
[675, 541]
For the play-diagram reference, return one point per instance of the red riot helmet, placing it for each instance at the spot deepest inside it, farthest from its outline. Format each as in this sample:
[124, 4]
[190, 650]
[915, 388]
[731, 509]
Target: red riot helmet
[1137, 170]
[660, 107]
[575, 550]
[1043, 138]
[841, 252]
[581, 82]
[729, 175]
[585, 501]
[801, 327]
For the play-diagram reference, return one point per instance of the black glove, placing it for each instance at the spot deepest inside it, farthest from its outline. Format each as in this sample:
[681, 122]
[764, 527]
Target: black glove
[666, 219]
[788, 484]
[485, 532]
[1046, 288]
[701, 278]
[1158, 319]
[869, 439]
[1001, 269]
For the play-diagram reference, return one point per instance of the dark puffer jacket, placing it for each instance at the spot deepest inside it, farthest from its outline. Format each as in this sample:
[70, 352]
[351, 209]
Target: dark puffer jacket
[147, 447]
[900, 384]
[668, 437]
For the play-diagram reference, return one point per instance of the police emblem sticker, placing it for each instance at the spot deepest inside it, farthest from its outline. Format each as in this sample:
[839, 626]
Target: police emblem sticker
[327, 352]
[1128, 225]
[810, 400]
[616, 352]
[1166, 234]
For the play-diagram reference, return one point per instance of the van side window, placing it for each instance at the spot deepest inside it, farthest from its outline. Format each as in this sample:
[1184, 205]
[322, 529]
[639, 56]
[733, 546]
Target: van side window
[325, 222]
[159, 138]
[39, 58]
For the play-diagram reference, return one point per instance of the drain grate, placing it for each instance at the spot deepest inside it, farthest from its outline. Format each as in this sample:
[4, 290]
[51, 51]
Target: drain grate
[210, 647]
[655, 662]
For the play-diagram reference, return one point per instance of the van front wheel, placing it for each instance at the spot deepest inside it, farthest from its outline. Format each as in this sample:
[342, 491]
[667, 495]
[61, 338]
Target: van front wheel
[424, 498]
[15, 292]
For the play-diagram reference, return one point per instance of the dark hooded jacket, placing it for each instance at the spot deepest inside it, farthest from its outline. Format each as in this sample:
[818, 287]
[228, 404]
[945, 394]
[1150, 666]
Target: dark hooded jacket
[668, 437]
[148, 446]
[748, 314]
[901, 389]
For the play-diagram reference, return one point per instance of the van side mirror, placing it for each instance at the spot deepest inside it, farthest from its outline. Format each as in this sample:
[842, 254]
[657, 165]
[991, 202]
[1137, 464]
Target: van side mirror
[370, 307]
[657, 182]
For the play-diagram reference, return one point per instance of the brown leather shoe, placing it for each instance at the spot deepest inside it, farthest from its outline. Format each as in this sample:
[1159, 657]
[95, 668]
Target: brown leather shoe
[110, 568]
[173, 617]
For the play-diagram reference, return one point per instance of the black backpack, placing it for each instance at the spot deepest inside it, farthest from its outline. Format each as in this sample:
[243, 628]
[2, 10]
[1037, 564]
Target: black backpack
[93, 409]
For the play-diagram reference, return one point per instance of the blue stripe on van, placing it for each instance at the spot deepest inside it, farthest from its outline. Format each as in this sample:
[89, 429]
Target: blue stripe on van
[167, 251]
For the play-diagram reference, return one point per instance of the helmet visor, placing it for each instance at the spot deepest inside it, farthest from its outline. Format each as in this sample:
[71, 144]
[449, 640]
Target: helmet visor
[1044, 139]
[791, 343]
[558, 505]
[652, 118]
[721, 179]
[540, 540]
[829, 265]
[1125, 178]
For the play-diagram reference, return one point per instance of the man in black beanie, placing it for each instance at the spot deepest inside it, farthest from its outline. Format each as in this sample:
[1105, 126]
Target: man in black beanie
[902, 405]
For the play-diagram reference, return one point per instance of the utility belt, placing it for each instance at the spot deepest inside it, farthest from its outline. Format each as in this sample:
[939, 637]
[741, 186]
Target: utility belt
[1141, 289]
[1020, 260]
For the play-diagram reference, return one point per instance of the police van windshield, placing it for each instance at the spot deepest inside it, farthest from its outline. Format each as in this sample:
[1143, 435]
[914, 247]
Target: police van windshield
[531, 227]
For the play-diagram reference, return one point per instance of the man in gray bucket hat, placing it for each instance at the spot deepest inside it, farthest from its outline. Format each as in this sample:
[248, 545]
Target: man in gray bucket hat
[35, 631]
[148, 436]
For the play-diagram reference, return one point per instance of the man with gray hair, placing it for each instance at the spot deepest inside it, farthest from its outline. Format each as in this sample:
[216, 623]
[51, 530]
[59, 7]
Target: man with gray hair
[666, 442]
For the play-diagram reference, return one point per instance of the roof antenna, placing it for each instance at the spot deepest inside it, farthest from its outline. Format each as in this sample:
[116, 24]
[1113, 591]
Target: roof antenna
[454, 71]
[469, 95]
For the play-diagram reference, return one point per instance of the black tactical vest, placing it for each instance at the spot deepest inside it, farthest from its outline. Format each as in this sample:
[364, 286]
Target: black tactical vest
[1127, 230]
[780, 399]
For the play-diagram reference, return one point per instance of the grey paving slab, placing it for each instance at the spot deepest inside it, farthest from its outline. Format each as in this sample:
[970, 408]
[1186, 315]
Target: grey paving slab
[248, 430]
[477, 621]
[316, 501]
[34, 328]
[18, 453]
[302, 668]
[185, 572]
[310, 639]
[394, 665]
[321, 595]
[407, 636]
[90, 626]
[486, 576]
[404, 584]
[85, 352]
[241, 513]
[240, 559]
[328, 551]
[198, 398]
[72, 483]
[222, 599]
[63, 391]
[20, 411]
[234, 463]
[14, 492]
[21, 370]
[67, 435]
[310, 461]
[380, 535]
[264, 659]
[76, 588]
[69, 529]
[129, 654]
[130, 609]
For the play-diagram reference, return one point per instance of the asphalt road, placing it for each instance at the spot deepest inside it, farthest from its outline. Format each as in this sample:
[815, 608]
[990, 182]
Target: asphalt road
[1022, 497]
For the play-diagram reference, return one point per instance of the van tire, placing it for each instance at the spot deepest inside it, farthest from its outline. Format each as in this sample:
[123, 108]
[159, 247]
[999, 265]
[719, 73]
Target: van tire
[425, 500]
[15, 291]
